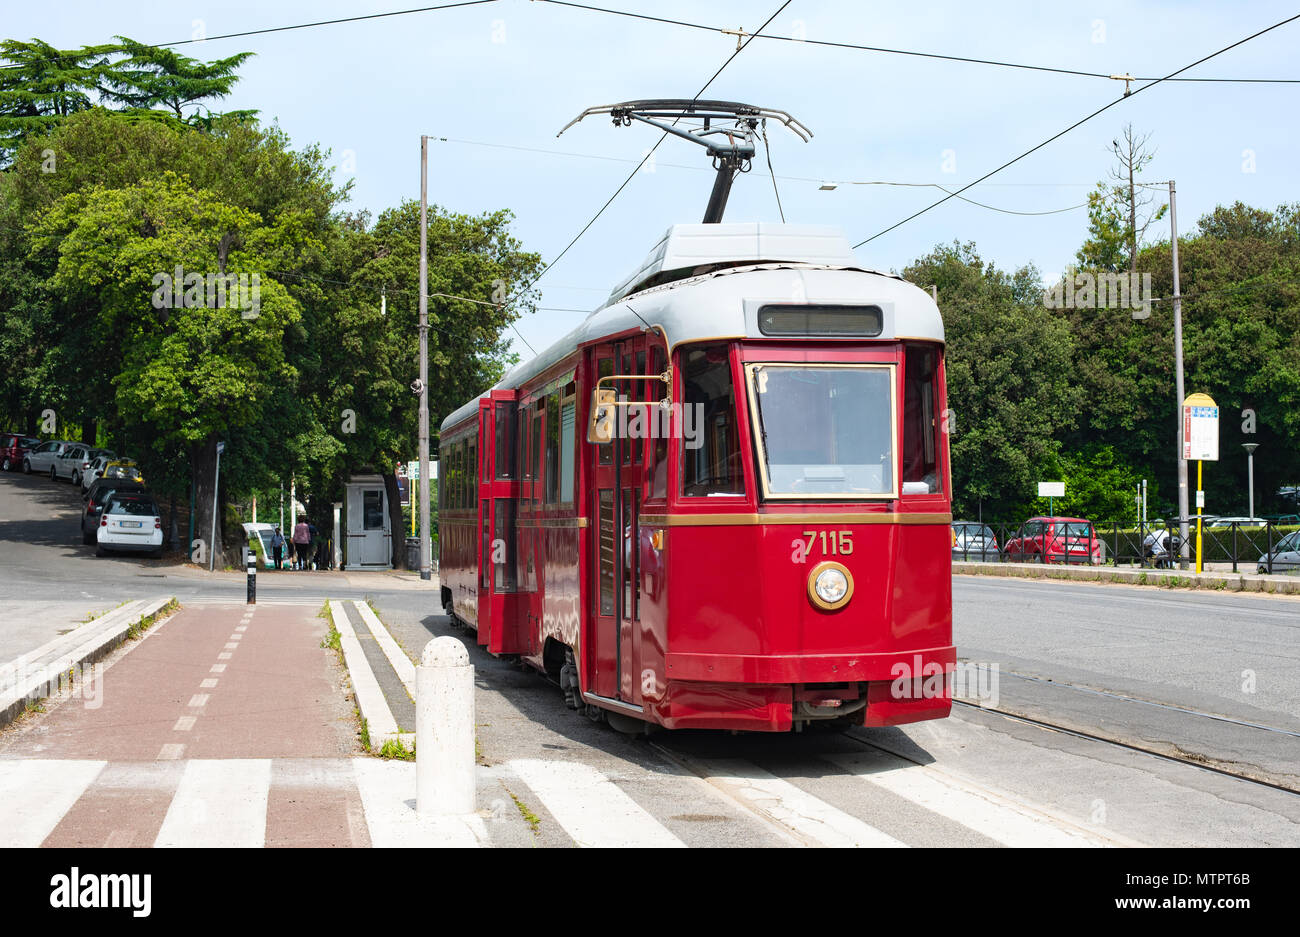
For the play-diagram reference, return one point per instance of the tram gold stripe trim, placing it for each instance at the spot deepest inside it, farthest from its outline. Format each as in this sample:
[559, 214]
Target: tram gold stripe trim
[551, 522]
[753, 520]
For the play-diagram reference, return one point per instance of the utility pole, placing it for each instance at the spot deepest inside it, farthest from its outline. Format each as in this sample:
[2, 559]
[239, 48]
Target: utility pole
[216, 485]
[425, 566]
[1178, 387]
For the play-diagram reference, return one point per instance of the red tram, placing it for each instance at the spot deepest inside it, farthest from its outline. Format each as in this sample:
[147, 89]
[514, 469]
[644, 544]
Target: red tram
[723, 501]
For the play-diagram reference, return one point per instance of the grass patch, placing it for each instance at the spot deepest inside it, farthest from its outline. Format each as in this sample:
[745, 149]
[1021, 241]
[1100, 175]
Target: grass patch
[393, 748]
[138, 627]
[534, 822]
[365, 731]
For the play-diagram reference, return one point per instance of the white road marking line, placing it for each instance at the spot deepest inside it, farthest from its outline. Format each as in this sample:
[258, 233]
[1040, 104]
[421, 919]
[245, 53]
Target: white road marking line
[808, 816]
[209, 683]
[35, 793]
[977, 810]
[242, 628]
[184, 724]
[231, 646]
[199, 699]
[172, 751]
[219, 803]
[218, 668]
[591, 808]
[235, 637]
[387, 791]
[225, 655]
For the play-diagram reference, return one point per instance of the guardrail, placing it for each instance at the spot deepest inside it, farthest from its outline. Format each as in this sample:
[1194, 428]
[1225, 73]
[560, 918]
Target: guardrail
[1142, 546]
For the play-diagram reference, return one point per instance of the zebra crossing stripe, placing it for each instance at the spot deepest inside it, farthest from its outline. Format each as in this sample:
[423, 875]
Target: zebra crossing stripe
[387, 790]
[591, 808]
[35, 793]
[219, 803]
[811, 818]
[976, 810]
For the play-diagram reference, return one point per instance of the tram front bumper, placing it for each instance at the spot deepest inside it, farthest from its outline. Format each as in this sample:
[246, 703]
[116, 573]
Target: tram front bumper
[770, 693]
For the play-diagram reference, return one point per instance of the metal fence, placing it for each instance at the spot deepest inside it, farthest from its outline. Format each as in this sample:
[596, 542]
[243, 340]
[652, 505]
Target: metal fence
[1255, 547]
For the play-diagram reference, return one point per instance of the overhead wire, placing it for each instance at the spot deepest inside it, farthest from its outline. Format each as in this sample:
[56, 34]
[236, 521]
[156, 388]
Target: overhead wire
[907, 52]
[1077, 123]
[280, 29]
[739, 48]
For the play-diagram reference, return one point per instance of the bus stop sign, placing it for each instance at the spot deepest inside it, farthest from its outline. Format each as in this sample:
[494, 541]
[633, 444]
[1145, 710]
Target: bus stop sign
[1200, 428]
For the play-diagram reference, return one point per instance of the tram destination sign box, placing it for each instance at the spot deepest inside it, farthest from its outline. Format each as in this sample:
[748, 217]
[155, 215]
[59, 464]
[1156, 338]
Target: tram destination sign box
[1200, 428]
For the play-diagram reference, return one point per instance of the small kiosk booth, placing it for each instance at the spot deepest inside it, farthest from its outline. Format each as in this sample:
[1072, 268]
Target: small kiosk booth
[367, 533]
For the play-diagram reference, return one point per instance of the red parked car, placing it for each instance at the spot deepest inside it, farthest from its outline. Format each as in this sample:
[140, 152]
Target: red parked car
[1055, 540]
[12, 449]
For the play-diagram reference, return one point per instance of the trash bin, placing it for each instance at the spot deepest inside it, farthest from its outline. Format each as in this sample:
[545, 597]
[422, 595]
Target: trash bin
[412, 552]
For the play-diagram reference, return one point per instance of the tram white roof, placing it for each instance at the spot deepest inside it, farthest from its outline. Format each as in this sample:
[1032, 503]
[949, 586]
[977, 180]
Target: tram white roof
[813, 265]
[695, 247]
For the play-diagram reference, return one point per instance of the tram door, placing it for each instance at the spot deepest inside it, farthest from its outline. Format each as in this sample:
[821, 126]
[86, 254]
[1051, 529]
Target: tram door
[613, 507]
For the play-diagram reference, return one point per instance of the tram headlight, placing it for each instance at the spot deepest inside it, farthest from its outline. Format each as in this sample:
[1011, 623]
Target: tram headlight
[830, 585]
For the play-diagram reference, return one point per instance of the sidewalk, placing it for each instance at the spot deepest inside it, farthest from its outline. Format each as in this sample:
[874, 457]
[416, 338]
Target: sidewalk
[227, 725]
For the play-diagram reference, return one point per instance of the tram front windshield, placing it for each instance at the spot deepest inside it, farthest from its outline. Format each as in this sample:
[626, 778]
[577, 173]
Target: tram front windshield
[824, 430]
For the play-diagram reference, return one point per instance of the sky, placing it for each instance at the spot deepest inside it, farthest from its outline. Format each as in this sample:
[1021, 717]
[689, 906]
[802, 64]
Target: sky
[499, 80]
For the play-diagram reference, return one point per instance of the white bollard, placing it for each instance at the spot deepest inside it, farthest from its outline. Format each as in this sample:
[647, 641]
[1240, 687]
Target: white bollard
[444, 730]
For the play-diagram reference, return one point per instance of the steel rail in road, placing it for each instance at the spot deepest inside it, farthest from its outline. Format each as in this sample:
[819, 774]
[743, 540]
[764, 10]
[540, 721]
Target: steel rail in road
[1188, 759]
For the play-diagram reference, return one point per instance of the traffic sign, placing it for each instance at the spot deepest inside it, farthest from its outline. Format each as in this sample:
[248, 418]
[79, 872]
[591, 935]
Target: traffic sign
[1051, 489]
[1200, 428]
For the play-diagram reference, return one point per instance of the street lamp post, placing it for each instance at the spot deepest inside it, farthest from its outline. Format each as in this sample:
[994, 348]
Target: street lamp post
[1250, 448]
[1178, 382]
[425, 546]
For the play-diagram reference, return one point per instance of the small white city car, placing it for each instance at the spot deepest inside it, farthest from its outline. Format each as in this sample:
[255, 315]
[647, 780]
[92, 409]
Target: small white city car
[130, 522]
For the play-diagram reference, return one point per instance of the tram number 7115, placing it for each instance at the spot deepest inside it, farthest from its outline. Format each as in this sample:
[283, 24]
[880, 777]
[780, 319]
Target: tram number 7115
[840, 541]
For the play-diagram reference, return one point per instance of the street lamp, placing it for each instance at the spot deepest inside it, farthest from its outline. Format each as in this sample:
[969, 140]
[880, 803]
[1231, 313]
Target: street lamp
[1250, 448]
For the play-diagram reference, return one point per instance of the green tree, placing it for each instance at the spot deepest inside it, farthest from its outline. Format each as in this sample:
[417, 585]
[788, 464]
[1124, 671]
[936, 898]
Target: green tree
[1008, 374]
[151, 77]
[41, 85]
[185, 366]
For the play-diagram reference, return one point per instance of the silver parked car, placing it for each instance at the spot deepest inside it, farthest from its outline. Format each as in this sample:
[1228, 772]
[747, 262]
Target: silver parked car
[41, 459]
[1286, 555]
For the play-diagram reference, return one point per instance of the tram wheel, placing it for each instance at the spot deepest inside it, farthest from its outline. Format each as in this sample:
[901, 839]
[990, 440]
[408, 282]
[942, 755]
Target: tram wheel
[569, 682]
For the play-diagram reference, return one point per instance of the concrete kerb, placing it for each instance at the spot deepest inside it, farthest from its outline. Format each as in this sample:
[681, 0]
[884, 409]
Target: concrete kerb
[1165, 578]
[380, 723]
[48, 669]
[396, 656]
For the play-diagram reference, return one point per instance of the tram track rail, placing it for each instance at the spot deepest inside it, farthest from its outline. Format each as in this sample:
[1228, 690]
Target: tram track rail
[1203, 762]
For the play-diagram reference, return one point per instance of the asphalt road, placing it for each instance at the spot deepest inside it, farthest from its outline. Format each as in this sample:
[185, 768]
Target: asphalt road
[1119, 662]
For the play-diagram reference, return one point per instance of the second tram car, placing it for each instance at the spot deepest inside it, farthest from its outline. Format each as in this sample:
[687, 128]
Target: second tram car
[723, 501]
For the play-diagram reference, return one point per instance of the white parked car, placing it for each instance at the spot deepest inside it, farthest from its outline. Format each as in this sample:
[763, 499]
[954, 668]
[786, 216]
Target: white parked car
[41, 459]
[1239, 521]
[93, 468]
[131, 522]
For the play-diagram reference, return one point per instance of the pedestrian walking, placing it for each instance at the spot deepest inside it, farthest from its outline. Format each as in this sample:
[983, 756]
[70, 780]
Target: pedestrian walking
[301, 540]
[312, 544]
[277, 546]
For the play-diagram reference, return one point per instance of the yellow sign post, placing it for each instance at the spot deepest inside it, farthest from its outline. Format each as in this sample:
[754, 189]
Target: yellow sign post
[1200, 442]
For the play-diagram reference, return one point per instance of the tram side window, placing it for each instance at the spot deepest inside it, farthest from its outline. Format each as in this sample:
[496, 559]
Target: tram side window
[707, 428]
[505, 440]
[473, 474]
[921, 421]
[552, 448]
[568, 413]
[657, 469]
